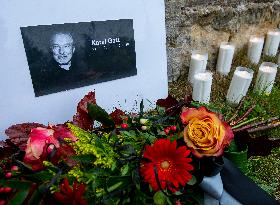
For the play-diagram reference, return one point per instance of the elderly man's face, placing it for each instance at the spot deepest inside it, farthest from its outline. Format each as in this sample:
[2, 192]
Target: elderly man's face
[62, 48]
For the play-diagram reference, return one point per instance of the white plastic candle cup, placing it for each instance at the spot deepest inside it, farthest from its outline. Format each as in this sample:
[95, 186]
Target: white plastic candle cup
[202, 87]
[255, 47]
[225, 57]
[239, 85]
[198, 64]
[266, 77]
[272, 42]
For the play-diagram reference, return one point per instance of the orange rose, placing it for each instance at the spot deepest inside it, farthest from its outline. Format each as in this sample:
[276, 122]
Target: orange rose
[205, 133]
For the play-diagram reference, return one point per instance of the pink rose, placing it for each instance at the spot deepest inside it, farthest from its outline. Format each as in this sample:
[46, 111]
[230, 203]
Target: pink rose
[42, 141]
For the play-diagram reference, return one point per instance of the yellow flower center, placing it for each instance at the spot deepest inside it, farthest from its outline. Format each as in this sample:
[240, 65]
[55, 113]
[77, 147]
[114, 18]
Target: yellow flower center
[165, 165]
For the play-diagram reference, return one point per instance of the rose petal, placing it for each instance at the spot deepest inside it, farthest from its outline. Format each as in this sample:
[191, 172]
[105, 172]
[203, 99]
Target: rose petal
[205, 134]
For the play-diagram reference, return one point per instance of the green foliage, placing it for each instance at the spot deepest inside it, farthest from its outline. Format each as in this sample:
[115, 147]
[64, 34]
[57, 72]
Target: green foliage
[38, 195]
[265, 171]
[91, 144]
[99, 114]
[41, 176]
[160, 198]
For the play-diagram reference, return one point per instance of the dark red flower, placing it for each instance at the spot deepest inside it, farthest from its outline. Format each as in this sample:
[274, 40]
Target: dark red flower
[69, 195]
[117, 116]
[170, 163]
[81, 118]
[19, 133]
[167, 102]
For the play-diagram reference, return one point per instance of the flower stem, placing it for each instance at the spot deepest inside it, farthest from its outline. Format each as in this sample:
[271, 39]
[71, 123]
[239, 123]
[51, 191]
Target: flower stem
[235, 114]
[265, 127]
[244, 123]
[243, 116]
[256, 124]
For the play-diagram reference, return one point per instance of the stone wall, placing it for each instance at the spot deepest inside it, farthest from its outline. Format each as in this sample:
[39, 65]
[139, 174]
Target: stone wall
[204, 24]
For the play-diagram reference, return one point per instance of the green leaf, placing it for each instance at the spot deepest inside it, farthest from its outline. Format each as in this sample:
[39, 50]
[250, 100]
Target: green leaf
[150, 138]
[97, 171]
[239, 159]
[161, 110]
[141, 108]
[23, 166]
[232, 147]
[118, 182]
[210, 107]
[40, 176]
[125, 169]
[19, 197]
[192, 181]
[99, 144]
[99, 114]
[160, 198]
[38, 194]
[114, 166]
[15, 184]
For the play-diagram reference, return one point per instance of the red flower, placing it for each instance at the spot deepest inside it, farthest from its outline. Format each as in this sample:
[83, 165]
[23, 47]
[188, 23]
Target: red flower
[171, 164]
[81, 118]
[117, 116]
[61, 132]
[42, 141]
[167, 102]
[71, 196]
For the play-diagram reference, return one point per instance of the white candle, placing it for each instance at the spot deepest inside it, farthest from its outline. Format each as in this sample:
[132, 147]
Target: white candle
[255, 47]
[266, 77]
[239, 85]
[272, 42]
[197, 65]
[225, 57]
[202, 87]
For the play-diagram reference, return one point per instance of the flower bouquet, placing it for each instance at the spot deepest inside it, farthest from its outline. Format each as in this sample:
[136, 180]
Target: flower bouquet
[164, 156]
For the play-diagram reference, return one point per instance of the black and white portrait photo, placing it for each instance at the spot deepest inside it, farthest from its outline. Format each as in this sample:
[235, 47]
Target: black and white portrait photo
[72, 55]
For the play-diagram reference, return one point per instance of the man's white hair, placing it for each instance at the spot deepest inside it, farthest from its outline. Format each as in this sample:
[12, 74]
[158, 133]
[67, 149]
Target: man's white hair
[61, 33]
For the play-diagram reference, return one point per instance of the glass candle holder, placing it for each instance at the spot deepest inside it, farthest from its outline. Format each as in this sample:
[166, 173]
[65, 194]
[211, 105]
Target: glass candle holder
[272, 42]
[255, 46]
[202, 87]
[225, 57]
[198, 64]
[239, 85]
[266, 77]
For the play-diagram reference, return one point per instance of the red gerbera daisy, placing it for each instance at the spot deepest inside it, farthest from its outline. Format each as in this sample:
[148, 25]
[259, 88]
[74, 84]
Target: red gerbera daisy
[169, 163]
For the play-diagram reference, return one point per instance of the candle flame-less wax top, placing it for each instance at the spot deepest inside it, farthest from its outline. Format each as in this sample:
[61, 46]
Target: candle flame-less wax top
[227, 46]
[199, 56]
[274, 33]
[256, 39]
[268, 69]
[243, 74]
